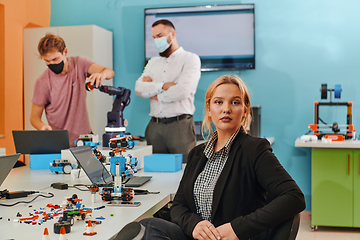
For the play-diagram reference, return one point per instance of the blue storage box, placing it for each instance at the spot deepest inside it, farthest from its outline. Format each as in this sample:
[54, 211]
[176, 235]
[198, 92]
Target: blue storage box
[42, 161]
[161, 162]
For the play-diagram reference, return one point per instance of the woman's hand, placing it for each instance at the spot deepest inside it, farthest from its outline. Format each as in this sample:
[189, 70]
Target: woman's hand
[205, 230]
[227, 232]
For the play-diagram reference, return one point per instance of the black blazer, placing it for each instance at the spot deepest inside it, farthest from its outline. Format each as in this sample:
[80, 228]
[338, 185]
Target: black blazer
[251, 170]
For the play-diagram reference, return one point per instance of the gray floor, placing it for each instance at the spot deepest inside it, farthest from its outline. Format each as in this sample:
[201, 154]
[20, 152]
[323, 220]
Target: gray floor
[324, 233]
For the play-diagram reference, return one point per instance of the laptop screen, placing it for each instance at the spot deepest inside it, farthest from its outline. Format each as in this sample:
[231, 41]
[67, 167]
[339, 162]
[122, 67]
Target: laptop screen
[40, 142]
[6, 164]
[93, 168]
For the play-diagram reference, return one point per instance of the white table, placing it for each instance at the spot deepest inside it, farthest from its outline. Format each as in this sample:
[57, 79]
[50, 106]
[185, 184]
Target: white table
[346, 144]
[25, 179]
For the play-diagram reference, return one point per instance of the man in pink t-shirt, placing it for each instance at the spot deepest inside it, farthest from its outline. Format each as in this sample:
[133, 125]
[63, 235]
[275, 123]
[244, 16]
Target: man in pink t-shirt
[60, 89]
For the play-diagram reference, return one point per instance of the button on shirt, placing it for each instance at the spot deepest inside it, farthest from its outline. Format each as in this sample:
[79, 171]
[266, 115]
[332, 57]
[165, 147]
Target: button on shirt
[183, 69]
[205, 183]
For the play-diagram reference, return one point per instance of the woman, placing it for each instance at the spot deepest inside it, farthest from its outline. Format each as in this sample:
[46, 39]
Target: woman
[222, 191]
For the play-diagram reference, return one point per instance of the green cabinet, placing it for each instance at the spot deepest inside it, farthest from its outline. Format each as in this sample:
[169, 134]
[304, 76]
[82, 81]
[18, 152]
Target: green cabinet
[335, 190]
[356, 188]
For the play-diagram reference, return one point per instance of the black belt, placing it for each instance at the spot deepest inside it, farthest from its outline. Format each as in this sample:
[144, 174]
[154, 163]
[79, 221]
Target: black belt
[170, 119]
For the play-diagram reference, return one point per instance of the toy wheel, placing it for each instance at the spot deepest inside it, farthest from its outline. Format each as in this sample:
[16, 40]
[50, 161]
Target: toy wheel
[337, 91]
[80, 143]
[127, 194]
[324, 91]
[67, 169]
[88, 87]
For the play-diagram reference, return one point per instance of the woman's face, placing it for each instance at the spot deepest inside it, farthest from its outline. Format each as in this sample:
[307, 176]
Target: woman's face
[227, 108]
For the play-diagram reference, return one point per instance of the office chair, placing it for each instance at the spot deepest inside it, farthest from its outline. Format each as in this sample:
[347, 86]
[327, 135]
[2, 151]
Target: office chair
[286, 230]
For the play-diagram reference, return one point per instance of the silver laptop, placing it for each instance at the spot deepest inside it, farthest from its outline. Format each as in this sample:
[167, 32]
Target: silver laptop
[6, 164]
[96, 171]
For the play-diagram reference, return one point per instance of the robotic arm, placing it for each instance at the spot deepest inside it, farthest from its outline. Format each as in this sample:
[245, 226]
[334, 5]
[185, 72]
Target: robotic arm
[115, 120]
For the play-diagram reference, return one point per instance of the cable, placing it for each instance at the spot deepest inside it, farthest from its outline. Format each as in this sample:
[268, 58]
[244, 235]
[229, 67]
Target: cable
[325, 123]
[40, 195]
[308, 132]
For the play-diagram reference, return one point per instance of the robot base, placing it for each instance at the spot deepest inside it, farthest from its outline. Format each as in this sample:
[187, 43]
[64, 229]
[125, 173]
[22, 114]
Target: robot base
[108, 135]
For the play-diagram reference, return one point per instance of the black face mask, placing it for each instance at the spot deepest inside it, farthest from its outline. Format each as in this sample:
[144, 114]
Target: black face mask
[57, 68]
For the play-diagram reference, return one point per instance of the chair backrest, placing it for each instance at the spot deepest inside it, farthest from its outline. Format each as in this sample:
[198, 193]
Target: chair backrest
[286, 230]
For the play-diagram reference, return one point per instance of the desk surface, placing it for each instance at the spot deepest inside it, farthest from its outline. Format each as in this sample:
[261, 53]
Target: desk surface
[25, 179]
[347, 144]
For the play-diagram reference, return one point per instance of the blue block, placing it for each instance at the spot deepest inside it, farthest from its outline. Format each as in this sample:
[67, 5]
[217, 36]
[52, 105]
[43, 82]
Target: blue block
[42, 161]
[163, 162]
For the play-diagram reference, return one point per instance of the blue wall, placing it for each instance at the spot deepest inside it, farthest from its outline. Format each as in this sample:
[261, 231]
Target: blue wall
[299, 46]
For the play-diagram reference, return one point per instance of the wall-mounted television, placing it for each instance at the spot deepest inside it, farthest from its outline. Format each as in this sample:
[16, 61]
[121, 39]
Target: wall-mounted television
[222, 35]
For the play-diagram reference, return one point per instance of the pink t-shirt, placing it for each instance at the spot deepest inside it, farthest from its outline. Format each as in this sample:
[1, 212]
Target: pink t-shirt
[64, 97]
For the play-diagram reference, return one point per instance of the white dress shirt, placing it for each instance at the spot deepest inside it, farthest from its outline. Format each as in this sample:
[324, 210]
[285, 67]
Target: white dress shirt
[181, 67]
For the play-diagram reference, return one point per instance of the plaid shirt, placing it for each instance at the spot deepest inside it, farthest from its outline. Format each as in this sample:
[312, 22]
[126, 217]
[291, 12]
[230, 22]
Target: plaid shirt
[205, 183]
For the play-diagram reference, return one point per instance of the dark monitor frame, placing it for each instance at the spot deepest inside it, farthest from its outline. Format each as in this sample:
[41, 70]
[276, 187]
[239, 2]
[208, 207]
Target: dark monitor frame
[225, 62]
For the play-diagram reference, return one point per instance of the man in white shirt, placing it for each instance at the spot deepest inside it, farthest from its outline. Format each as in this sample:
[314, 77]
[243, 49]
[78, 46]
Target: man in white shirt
[170, 81]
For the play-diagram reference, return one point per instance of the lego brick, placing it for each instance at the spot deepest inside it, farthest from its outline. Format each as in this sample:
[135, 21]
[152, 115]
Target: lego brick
[42, 161]
[163, 162]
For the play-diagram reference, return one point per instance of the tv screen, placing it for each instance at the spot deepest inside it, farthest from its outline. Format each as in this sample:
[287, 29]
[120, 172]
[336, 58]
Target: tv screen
[222, 35]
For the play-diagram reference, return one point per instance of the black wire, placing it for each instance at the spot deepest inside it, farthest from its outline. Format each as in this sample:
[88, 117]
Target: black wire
[40, 195]
[308, 132]
[324, 123]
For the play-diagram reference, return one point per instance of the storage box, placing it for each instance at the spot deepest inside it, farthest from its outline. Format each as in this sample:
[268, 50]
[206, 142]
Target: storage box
[160, 162]
[42, 161]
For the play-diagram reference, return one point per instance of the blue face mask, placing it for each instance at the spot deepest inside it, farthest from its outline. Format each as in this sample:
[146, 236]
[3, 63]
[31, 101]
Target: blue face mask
[162, 44]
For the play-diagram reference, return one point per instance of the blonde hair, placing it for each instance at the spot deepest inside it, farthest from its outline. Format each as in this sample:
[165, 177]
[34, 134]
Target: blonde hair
[50, 43]
[226, 79]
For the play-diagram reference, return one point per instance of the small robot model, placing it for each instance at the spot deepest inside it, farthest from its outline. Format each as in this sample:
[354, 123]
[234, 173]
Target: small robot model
[72, 211]
[124, 141]
[61, 166]
[87, 139]
[120, 167]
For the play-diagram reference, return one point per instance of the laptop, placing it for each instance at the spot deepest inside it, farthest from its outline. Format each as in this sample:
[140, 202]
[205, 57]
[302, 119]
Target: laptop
[96, 171]
[6, 164]
[136, 181]
[40, 142]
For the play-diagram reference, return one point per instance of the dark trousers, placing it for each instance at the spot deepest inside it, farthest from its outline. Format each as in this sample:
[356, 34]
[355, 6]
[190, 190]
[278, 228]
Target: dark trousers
[160, 229]
[175, 137]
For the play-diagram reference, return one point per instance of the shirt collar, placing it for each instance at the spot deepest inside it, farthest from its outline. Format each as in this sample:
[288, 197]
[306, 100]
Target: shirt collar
[209, 149]
[178, 51]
